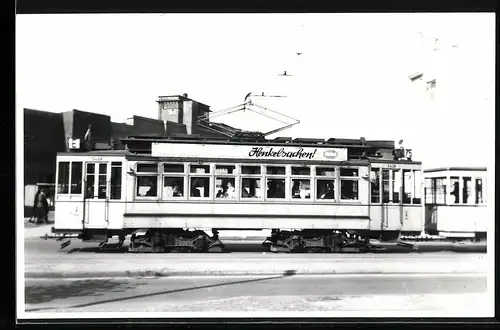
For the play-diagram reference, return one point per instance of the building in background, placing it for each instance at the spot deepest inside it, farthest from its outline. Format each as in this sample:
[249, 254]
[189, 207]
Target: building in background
[47, 133]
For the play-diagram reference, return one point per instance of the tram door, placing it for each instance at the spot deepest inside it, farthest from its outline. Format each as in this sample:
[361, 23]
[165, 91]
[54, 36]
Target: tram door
[392, 210]
[96, 200]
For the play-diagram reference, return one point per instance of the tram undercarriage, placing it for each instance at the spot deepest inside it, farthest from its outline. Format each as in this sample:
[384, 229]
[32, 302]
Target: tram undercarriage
[317, 241]
[171, 240]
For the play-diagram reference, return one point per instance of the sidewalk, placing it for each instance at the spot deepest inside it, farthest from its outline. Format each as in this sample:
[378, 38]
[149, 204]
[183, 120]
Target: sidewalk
[34, 230]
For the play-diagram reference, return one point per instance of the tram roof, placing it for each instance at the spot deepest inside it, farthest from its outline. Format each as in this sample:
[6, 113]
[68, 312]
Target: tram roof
[338, 142]
[457, 168]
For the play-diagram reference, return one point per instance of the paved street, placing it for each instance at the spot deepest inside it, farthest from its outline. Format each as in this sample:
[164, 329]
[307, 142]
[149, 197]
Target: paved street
[256, 293]
[83, 278]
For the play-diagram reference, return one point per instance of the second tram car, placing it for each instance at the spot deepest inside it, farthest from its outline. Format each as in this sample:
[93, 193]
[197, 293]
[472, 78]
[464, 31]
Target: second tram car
[455, 202]
[176, 194]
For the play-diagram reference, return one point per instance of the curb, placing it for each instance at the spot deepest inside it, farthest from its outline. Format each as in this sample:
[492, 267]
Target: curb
[159, 273]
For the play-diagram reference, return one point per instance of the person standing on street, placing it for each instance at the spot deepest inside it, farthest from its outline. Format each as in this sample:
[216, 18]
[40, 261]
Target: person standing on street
[42, 208]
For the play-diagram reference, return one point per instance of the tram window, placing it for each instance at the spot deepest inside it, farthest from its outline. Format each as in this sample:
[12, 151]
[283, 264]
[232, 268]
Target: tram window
[396, 185]
[147, 186]
[102, 181]
[173, 187]
[276, 170]
[430, 190]
[439, 191]
[63, 178]
[479, 191]
[89, 181]
[147, 168]
[116, 180]
[200, 187]
[454, 190]
[250, 169]
[301, 188]
[225, 188]
[301, 170]
[76, 177]
[375, 185]
[417, 198]
[407, 186]
[348, 172]
[200, 169]
[325, 189]
[225, 169]
[325, 171]
[467, 190]
[250, 188]
[276, 188]
[385, 186]
[173, 168]
[349, 189]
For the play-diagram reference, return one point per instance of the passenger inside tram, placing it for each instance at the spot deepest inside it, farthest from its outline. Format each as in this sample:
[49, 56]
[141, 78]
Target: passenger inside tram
[328, 191]
[177, 192]
[226, 190]
[275, 188]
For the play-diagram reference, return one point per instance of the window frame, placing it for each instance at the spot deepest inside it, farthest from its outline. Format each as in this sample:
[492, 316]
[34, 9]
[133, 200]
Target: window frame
[260, 176]
[350, 179]
[293, 177]
[182, 178]
[316, 178]
[209, 175]
[223, 176]
[285, 177]
[69, 180]
[147, 174]
[113, 165]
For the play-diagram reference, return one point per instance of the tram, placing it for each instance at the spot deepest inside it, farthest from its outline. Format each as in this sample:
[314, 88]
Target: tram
[455, 203]
[178, 193]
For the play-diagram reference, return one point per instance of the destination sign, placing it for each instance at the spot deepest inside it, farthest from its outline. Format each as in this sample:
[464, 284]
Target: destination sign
[247, 152]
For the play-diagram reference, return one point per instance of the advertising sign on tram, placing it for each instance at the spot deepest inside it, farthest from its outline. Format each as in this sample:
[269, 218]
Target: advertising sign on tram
[263, 152]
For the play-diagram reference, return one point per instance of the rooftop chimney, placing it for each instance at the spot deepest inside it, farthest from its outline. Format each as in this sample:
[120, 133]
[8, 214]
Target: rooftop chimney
[185, 95]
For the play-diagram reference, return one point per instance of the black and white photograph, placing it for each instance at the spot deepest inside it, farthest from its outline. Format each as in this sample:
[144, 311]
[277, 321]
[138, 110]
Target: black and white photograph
[231, 165]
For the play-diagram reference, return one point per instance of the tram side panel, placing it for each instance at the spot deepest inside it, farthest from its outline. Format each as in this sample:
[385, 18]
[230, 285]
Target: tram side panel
[457, 220]
[238, 215]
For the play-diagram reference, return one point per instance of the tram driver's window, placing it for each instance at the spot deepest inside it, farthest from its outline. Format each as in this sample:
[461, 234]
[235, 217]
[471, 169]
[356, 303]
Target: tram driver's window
[276, 188]
[454, 190]
[417, 198]
[199, 187]
[147, 186]
[63, 178]
[173, 187]
[225, 188]
[250, 188]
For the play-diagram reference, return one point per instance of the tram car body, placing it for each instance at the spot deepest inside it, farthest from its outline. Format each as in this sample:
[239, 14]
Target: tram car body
[455, 202]
[169, 194]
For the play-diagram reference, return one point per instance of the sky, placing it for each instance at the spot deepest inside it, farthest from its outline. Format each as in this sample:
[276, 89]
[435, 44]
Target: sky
[350, 81]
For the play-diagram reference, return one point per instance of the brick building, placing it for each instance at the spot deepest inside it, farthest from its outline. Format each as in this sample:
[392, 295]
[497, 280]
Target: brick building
[47, 133]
